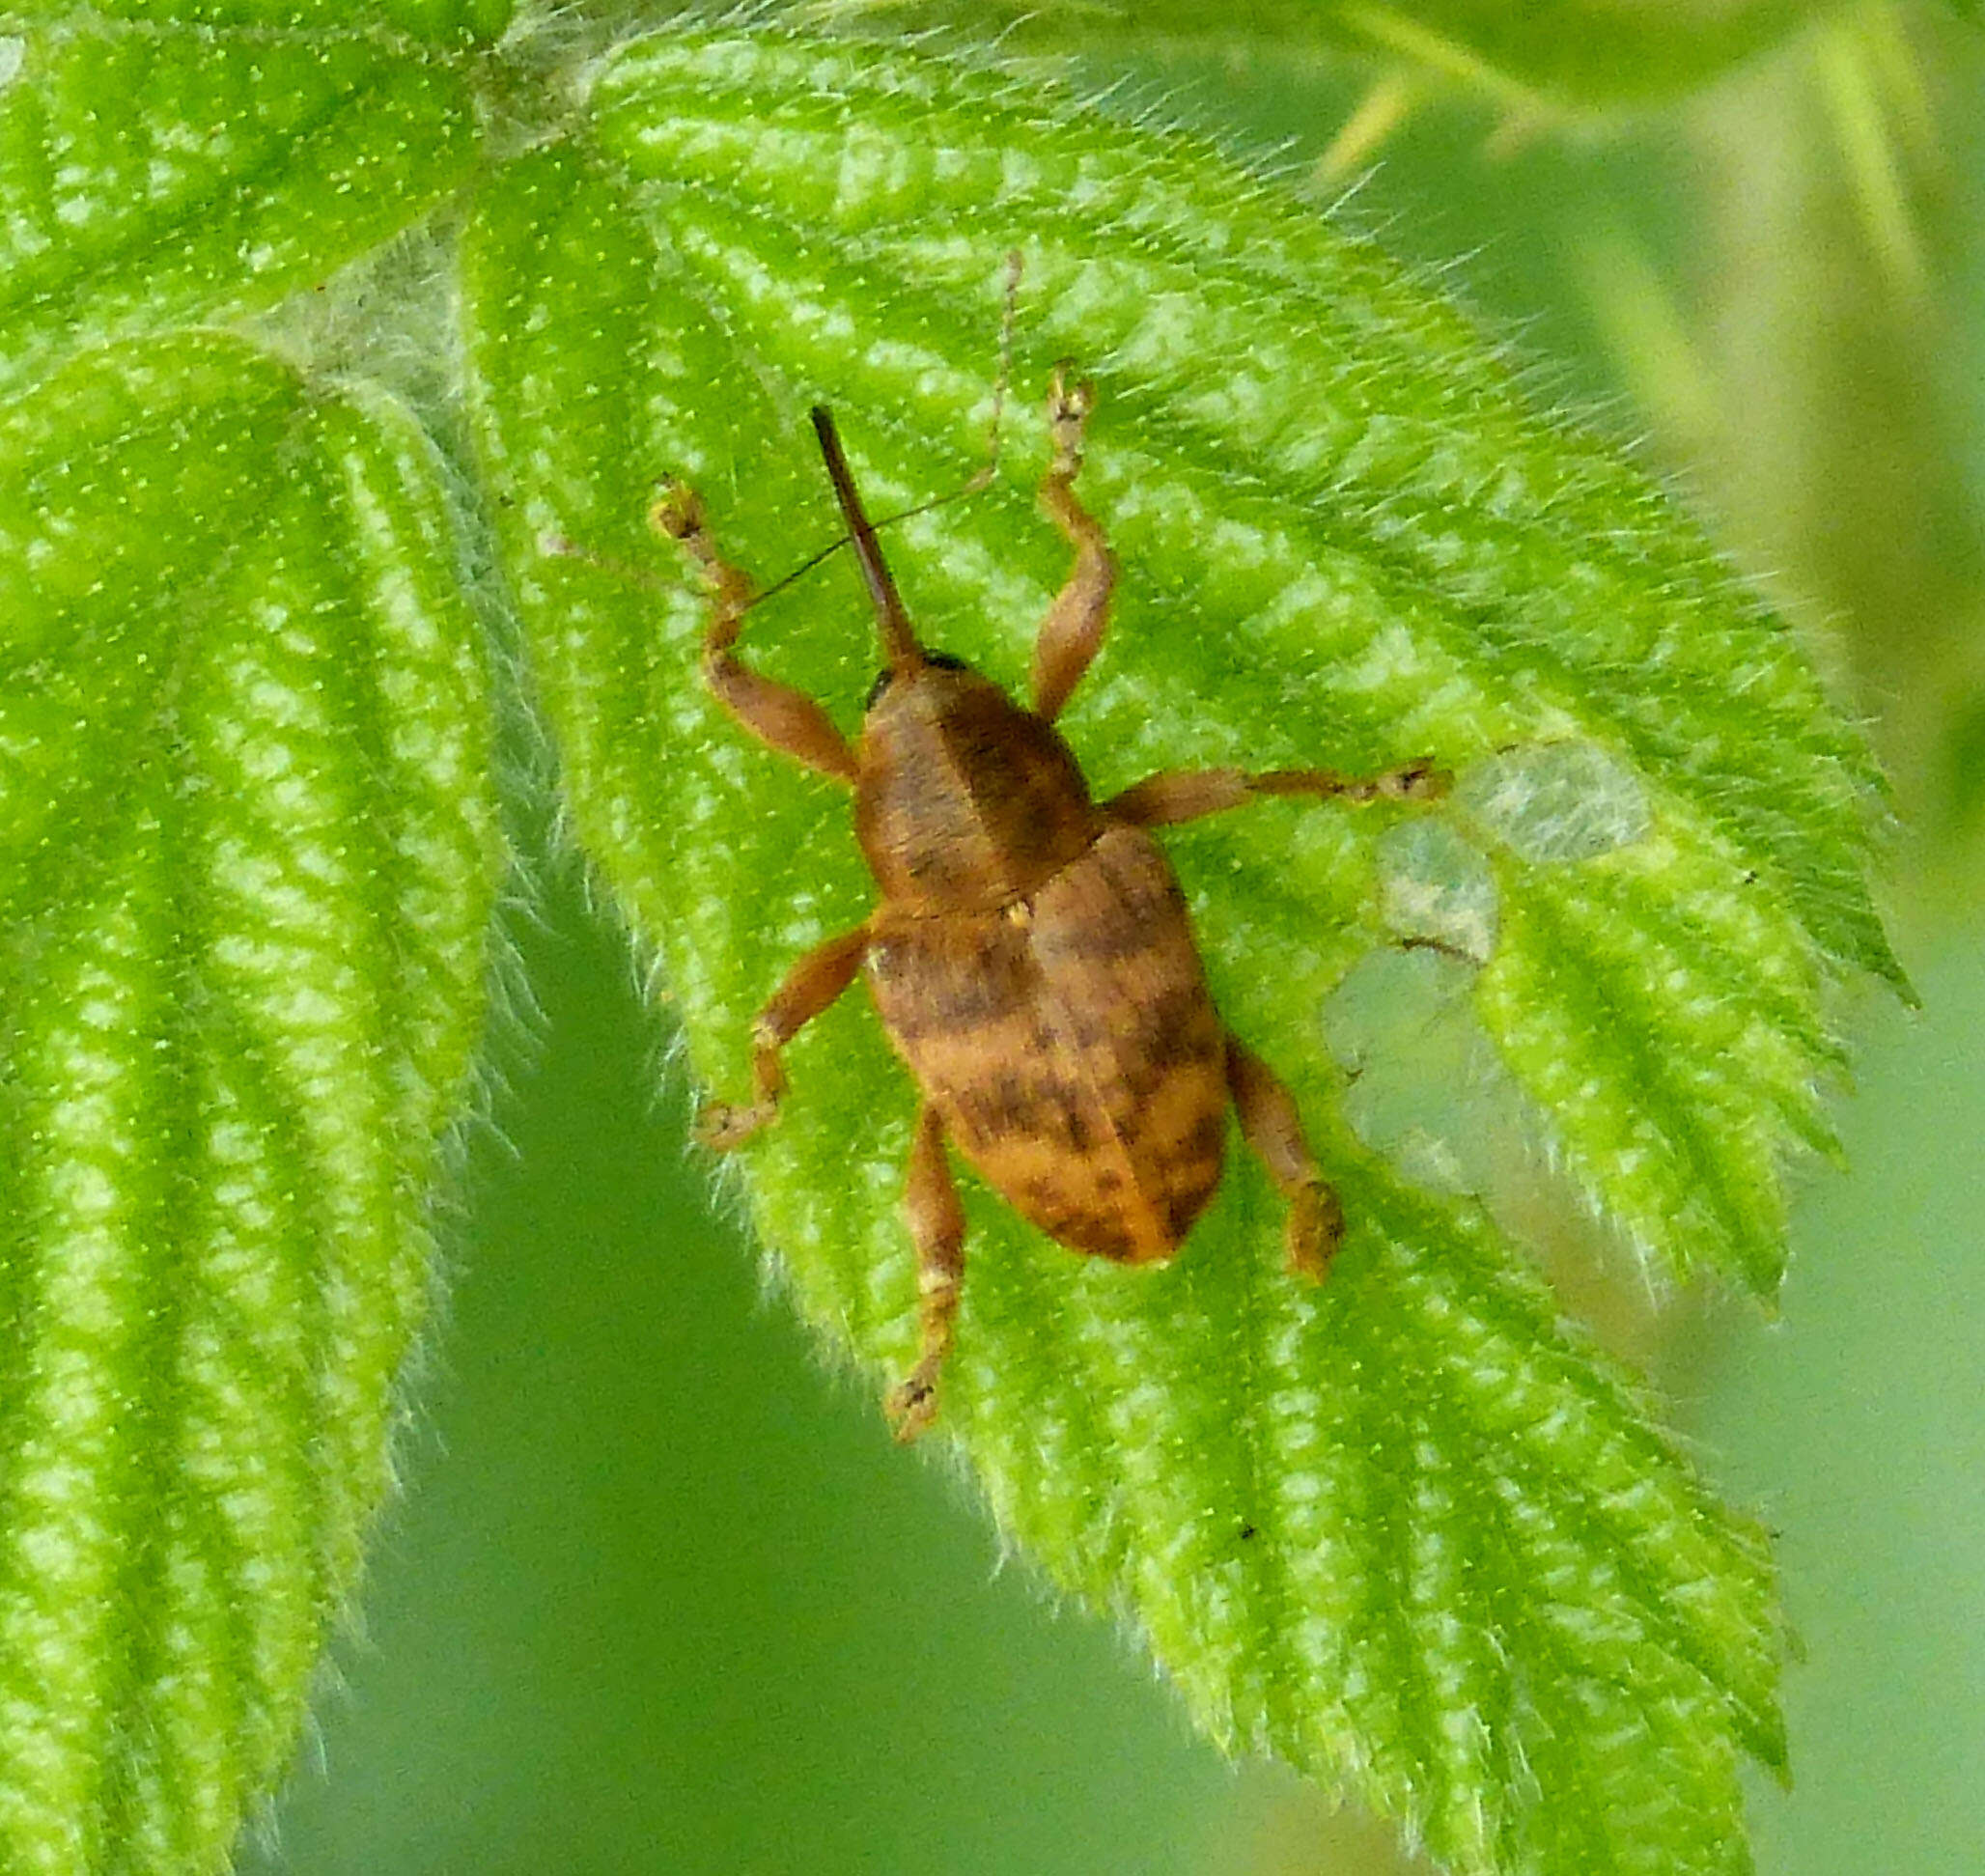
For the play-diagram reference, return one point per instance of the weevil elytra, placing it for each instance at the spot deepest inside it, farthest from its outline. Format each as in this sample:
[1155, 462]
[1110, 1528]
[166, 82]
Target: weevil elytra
[1030, 956]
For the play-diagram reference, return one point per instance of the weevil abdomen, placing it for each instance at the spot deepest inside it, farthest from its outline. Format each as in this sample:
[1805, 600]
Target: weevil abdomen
[1069, 1042]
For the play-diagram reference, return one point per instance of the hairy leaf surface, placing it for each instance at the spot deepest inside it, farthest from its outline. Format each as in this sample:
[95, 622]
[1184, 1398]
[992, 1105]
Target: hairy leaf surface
[247, 855]
[1580, 55]
[157, 173]
[444, 22]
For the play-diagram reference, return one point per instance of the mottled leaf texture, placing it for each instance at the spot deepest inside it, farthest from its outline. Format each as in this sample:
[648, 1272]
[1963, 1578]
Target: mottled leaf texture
[154, 173]
[1407, 1530]
[247, 857]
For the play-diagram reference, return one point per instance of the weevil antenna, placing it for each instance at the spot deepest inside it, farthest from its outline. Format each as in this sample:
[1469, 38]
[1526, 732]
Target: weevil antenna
[899, 649]
[978, 481]
[1007, 312]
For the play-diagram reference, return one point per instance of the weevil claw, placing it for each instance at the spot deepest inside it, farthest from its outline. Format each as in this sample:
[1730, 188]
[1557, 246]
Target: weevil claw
[1418, 781]
[1314, 1231]
[676, 510]
[911, 1407]
[1069, 406]
[723, 1128]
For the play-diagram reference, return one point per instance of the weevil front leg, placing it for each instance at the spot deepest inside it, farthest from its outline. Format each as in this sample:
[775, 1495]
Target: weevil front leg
[937, 1227]
[1072, 629]
[1272, 1128]
[810, 987]
[1176, 795]
[785, 719]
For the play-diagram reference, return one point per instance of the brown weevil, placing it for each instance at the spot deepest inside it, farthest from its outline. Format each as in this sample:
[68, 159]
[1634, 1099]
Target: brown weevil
[1030, 957]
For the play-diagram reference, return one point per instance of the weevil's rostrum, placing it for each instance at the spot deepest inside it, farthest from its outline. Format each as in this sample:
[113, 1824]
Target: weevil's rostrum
[1030, 956]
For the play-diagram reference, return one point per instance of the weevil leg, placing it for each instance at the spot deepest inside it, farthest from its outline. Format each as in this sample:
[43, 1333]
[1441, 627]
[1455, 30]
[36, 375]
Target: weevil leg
[1072, 629]
[1271, 1124]
[780, 717]
[1176, 795]
[937, 1227]
[810, 986]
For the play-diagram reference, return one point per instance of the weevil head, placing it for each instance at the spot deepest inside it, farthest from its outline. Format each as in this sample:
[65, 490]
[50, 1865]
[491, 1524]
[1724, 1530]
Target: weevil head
[931, 662]
[964, 800]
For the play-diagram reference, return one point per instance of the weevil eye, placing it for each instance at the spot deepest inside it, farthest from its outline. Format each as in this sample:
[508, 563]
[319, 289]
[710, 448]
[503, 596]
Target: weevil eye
[943, 660]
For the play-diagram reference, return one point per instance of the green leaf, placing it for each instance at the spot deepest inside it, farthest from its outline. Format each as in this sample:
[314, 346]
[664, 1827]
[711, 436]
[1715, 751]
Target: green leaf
[247, 850]
[158, 174]
[1407, 1531]
[436, 21]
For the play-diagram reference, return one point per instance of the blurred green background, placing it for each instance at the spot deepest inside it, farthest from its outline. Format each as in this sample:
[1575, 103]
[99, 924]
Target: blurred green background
[661, 1597]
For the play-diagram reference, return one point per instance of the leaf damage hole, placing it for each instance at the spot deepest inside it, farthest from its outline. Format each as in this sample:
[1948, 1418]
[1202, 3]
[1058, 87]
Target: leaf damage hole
[1557, 802]
[1428, 1090]
[1436, 887]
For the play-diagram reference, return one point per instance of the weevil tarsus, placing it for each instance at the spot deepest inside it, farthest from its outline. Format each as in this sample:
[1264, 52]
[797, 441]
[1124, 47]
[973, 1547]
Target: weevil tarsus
[937, 1230]
[780, 717]
[1175, 796]
[1273, 1129]
[813, 984]
[1071, 633]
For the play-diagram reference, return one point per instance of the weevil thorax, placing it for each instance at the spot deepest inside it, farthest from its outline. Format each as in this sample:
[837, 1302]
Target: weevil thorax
[964, 800]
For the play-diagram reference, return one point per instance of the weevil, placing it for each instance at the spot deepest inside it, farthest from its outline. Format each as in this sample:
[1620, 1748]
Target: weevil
[1030, 954]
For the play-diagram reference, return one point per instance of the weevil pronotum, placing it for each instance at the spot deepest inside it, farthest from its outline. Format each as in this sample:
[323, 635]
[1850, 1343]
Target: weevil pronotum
[1030, 958]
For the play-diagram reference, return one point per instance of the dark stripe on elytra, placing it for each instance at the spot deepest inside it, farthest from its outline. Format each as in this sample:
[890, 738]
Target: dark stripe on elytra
[1183, 1206]
[1120, 929]
[1102, 1234]
[1109, 1240]
[927, 999]
[1176, 1029]
[1208, 1137]
[1007, 1105]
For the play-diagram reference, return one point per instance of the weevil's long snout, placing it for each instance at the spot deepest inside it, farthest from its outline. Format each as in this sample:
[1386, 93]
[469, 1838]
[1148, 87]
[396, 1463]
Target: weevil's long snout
[900, 650]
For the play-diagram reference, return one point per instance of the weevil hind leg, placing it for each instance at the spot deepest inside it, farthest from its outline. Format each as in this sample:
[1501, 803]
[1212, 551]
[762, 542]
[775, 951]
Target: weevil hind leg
[808, 988]
[1272, 1128]
[937, 1228]
[1073, 630]
[780, 717]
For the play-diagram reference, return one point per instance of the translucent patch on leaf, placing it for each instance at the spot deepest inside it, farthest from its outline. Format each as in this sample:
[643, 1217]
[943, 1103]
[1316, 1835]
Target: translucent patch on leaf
[1428, 1090]
[1559, 802]
[13, 51]
[1436, 884]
